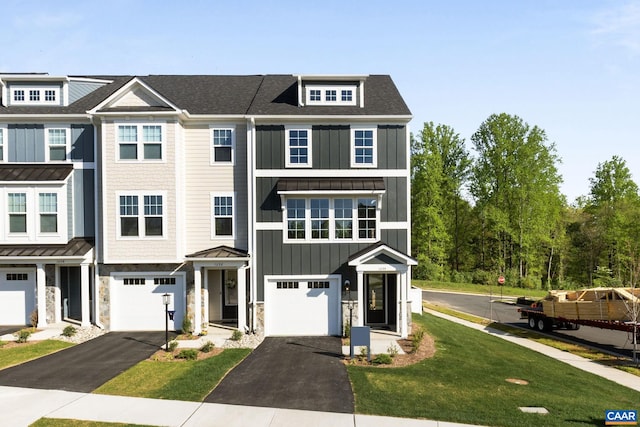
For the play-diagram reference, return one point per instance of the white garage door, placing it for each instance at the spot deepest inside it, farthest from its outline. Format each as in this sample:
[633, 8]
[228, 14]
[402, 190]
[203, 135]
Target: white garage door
[136, 301]
[302, 307]
[17, 297]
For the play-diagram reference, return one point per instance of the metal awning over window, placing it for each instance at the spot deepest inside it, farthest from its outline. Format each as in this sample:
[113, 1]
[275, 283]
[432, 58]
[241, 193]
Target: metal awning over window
[330, 185]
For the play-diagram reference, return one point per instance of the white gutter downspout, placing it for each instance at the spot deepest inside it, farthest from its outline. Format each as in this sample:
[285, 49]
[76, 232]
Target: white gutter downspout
[251, 235]
[96, 237]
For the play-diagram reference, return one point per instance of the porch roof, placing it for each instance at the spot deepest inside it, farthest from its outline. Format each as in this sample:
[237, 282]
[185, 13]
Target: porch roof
[219, 252]
[76, 249]
[383, 253]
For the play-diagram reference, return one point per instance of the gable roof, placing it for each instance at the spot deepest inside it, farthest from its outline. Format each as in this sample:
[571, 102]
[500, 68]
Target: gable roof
[383, 252]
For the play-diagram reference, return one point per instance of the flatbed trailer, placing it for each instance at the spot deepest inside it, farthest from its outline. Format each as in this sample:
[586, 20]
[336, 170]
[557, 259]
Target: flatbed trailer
[536, 319]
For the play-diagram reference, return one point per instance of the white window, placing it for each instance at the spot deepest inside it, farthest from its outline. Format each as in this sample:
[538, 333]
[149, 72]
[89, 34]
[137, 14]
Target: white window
[140, 142]
[363, 147]
[3, 138]
[331, 94]
[48, 207]
[58, 140]
[298, 150]
[222, 221]
[222, 145]
[336, 219]
[135, 222]
[296, 219]
[17, 207]
[43, 95]
[367, 218]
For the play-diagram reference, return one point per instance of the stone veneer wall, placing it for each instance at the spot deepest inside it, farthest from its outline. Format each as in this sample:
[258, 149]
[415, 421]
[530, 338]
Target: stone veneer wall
[259, 317]
[105, 271]
[50, 292]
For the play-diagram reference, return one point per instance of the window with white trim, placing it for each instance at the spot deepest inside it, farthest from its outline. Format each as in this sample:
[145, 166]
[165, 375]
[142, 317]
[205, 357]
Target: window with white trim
[296, 219]
[3, 137]
[336, 219]
[331, 94]
[148, 222]
[298, 147]
[140, 142]
[363, 147]
[48, 210]
[222, 215]
[17, 204]
[57, 141]
[41, 95]
[320, 218]
[367, 218]
[222, 145]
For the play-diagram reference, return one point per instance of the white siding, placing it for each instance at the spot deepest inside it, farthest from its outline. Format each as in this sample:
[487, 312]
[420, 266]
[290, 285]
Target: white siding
[202, 179]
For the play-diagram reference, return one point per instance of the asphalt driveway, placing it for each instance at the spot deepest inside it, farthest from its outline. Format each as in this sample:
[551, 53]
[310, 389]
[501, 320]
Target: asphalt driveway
[293, 373]
[9, 329]
[86, 366]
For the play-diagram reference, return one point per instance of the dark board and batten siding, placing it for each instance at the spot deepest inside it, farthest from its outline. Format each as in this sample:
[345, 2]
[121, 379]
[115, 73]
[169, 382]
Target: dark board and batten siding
[82, 143]
[300, 259]
[25, 143]
[83, 195]
[331, 147]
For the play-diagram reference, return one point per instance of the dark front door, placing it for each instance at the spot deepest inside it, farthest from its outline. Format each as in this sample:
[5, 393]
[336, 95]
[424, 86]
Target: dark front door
[230, 295]
[376, 299]
[70, 289]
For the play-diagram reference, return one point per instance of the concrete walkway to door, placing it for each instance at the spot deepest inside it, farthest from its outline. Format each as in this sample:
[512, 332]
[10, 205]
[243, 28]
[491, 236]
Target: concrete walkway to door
[291, 373]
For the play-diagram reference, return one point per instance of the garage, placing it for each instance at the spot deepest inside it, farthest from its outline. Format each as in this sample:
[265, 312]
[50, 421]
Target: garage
[136, 301]
[295, 307]
[17, 297]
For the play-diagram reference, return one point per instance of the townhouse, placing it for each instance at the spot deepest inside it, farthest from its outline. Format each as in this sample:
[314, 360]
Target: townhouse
[267, 203]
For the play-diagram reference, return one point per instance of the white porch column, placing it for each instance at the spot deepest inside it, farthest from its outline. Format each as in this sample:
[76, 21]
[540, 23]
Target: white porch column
[242, 298]
[197, 299]
[57, 312]
[361, 299]
[84, 295]
[41, 295]
[205, 298]
[402, 281]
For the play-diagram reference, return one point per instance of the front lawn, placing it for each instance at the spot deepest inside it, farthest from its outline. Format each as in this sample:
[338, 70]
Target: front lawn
[19, 353]
[190, 380]
[466, 382]
[480, 289]
[57, 422]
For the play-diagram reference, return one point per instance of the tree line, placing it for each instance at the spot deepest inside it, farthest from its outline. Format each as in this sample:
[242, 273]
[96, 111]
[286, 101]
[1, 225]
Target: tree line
[501, 211]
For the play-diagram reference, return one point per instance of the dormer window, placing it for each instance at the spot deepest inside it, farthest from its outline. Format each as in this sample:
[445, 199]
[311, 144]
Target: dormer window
[330, 95]
[41, 95]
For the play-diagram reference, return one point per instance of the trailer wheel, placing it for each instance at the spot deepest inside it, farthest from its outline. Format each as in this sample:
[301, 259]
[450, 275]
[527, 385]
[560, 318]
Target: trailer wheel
[544, 325]
[532, 322]
[574, 326]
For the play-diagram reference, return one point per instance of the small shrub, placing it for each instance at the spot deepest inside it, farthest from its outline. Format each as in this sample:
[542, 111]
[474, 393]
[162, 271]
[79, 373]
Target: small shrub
[187, 326]
[236, 335]
[392, 350]
[69, 331]
[382, 359]
[23, 335]
[347, 331]
[33, 318]
[416, 339]
[363, 353]
[207, 347]
[187, 354]
[173, 345]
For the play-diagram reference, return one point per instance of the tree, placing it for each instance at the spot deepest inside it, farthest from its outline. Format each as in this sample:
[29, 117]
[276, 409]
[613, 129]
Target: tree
[441, 142]
[515, 182]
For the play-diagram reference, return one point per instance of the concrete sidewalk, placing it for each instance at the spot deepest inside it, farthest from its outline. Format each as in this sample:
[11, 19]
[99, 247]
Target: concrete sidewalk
[19, 407]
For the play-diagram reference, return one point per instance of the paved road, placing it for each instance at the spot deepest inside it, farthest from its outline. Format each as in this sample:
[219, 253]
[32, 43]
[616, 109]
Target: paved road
[613, 341]
[9, 329]
[292, 373]
[86, 366]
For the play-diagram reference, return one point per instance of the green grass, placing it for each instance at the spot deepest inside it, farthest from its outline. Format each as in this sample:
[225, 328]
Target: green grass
[59, 422]
[465, 382]
[479, 289]
[25, 352]
[189, 380]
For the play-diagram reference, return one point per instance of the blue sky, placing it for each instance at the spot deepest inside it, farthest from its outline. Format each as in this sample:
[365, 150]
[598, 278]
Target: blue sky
[570, 67]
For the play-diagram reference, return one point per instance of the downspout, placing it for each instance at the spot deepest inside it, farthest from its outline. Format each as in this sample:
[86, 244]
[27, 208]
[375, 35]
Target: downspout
[251, 235]
[96, 233]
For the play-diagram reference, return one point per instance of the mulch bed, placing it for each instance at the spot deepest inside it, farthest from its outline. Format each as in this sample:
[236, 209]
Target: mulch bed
[164, 356]
[425, 350]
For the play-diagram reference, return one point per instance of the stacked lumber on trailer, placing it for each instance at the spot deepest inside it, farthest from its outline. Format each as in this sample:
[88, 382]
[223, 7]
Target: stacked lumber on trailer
[610, 304]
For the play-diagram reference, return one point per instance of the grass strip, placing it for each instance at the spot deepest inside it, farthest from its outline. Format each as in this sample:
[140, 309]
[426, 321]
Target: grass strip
[466, 382]
[190, 380]
[480, 289]
[57, 422]
[10, 356]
